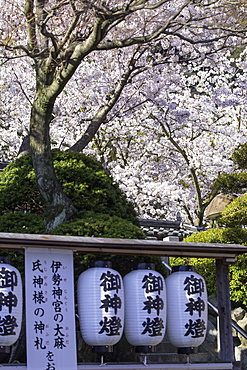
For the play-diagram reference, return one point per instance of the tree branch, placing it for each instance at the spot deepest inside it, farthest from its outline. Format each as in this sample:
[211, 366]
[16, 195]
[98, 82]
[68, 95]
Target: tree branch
[101, 114]
[31, 26]
[200, 205]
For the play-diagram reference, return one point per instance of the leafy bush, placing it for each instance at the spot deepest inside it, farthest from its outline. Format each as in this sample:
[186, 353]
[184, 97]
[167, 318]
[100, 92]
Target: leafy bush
[234, 182]
[206, 267]
[83, 179]
[235, 214]
[99, 225]
[103, 210]
[19, 222]
[224, 236]
[18, 189]
[234, 218]
[87, 224]
[231, 183]
[239, 156]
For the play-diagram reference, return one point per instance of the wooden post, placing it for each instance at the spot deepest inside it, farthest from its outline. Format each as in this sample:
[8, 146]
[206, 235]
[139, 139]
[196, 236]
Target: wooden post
[224, 309]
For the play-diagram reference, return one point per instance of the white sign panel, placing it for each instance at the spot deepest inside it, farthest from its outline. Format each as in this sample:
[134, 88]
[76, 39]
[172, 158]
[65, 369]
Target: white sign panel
[50, 315]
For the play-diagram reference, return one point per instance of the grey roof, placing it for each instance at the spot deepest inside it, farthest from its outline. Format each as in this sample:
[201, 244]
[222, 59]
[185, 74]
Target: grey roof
[160, 229]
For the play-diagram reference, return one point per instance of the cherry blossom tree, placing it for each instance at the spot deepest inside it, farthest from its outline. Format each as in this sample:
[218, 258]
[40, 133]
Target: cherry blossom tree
[50, 47]
[181, 140]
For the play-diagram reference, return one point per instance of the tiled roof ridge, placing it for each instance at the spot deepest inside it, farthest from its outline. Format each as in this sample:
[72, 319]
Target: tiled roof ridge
[160, 229]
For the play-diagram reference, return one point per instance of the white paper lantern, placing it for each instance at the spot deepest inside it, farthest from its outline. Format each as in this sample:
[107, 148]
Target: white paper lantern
[10, 303]
[101, 306]
[145, 307]
[186, 308]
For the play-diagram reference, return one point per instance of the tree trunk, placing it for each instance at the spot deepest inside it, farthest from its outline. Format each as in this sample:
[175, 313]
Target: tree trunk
[58, 207]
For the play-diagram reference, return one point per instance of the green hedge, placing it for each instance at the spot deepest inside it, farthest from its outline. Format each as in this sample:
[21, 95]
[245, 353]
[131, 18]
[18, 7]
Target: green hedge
[99, 225]
[235, 214]
[19, 222]
[231, 183]
[239, 156]
[83, 179]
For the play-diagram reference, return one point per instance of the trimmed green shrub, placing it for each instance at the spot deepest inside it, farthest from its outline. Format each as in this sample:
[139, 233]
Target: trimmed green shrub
[83, 179]
[206, 267]
[230, 183]
[87, 224]
[225, 236]
[102, 225]
[19, 222]
[18, 189]
[239, 156]
[234, 182]
[99, 225]
[235, 214]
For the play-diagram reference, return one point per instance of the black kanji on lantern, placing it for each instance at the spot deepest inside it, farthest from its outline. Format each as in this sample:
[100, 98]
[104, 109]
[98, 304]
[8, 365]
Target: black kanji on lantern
[111, 302]
[8, 279]
[8, 301]
[195, 328]
[110, 281]
[110, 326]
[152, 283]
[194, 285]
[153, 327]
[7, 325]
[156, 303]
[195, 306]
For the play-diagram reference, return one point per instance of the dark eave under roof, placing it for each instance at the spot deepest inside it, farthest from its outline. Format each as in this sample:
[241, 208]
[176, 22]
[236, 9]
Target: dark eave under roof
[121, 246]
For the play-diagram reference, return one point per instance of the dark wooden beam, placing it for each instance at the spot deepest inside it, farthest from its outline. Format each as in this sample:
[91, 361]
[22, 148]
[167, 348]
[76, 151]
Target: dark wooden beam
[122, 246]
[224, 310]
